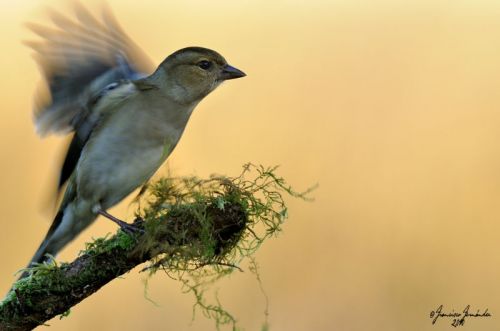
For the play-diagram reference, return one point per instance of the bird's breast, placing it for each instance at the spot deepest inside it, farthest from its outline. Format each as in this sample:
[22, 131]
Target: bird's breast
[124, 155]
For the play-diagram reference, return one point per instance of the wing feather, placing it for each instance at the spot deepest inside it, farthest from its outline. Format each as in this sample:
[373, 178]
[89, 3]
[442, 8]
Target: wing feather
[102, 106]
[77, 60]
[84, 61]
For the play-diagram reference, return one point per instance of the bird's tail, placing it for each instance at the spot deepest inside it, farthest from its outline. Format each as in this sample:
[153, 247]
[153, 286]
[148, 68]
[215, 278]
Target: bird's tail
[44, 252]
[69, 222]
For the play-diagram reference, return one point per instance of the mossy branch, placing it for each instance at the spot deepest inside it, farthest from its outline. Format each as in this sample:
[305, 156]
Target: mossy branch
[51, 291]
[202, 228]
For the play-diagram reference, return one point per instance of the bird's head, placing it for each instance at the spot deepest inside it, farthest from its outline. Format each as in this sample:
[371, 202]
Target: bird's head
[192, 73]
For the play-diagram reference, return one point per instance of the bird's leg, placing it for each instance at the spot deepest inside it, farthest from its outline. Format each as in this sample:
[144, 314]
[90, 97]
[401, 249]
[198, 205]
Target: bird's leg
[126, 227]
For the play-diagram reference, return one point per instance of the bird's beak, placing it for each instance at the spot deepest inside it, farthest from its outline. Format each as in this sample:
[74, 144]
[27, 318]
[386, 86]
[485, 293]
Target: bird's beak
[229, 72]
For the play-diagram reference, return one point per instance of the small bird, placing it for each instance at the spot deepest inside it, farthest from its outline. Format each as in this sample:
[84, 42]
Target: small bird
[126, 118]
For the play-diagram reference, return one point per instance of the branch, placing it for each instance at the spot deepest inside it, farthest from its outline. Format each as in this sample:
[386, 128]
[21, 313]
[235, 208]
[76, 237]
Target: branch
[52, 290]
[189, 223]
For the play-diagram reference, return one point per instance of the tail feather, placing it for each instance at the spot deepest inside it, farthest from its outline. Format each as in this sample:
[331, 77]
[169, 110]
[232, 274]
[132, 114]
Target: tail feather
[40, 255]
[42, 251]
[71, 219]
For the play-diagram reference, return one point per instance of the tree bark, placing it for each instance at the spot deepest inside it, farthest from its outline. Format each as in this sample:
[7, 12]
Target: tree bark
[51, 291]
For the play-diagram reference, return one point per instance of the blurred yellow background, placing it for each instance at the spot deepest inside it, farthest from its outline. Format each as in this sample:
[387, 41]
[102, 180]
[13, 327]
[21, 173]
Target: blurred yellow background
[392, 106]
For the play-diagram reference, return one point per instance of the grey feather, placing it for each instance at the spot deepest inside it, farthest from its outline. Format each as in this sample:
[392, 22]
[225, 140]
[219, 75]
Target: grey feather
[81, 61]
[78, 59]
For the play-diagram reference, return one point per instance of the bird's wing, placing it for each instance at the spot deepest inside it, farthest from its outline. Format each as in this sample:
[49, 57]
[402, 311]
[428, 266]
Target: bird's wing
[101, 106]
[78, 59]
[81, 61]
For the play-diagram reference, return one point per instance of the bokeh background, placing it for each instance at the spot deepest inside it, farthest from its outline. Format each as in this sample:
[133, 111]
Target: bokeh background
[393, 107]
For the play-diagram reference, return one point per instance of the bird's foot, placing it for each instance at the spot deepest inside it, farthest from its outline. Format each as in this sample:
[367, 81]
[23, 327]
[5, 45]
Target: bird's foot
[131, 228]
[124, 226]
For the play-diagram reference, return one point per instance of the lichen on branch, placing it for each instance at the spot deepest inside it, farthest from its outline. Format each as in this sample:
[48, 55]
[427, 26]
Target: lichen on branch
[196, 230]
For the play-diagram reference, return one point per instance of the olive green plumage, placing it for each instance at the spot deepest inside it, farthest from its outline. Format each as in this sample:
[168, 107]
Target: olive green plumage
[126, 121]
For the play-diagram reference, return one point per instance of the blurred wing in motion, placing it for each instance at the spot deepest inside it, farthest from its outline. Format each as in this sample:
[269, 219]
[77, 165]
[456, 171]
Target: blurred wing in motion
[80, 61]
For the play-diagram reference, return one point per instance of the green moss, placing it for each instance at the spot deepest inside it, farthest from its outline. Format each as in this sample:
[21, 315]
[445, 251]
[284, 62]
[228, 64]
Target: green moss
[259, 192]
[65, 314]
[121, 240]
[198, 249]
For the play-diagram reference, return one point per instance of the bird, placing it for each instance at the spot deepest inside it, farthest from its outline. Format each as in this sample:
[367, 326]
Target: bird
[126, 117]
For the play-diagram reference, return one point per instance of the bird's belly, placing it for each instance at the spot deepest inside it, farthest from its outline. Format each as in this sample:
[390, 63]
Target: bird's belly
[108, 178]
[125, 179]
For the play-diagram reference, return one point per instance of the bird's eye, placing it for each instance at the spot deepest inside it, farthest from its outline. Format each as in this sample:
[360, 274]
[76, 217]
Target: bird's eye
[205, 65]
